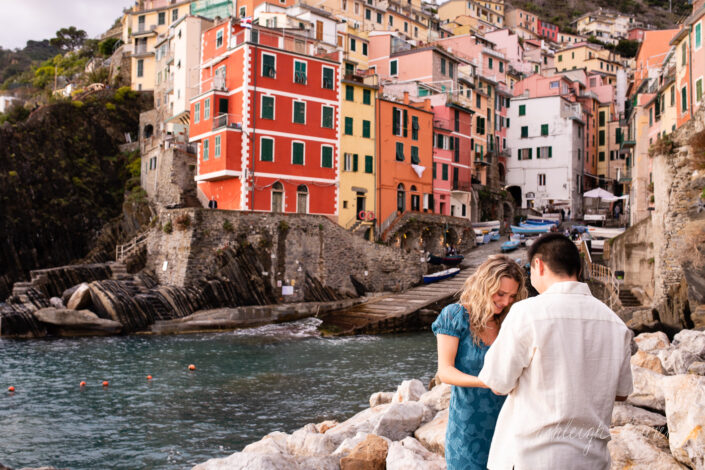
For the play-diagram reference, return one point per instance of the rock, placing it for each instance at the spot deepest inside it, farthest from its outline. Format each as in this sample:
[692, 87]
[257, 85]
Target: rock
[647, 361]
[438, 398]
[350, 443]
[650, 342]
[66, 296]
[326, 425]
[433, 434]
[66, 322]
[56, 302]
[647, 389]
[623, 414]
[308, 442]
[685, 412]
[640, 448]
[691, 341]
[409, 454]
[381, 398]
[275, 442]
[370, 454]
[80, 299]
[676, 360]
[434, 382]
[697, 368]
[409, 390]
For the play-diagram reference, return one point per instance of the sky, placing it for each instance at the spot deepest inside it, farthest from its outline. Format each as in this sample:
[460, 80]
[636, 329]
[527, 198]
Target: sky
[22, 20]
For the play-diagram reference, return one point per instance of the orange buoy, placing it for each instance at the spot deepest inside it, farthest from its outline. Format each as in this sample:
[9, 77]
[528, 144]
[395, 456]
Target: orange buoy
[191, 367]
[10, 389]
[105, 383]
[149, 377]
[82, 384]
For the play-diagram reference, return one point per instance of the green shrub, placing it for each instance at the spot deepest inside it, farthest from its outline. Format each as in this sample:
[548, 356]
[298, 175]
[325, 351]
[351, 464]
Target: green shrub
[123, 93]
[228, 226]
[110, 107]
[183, 222]
[77, 103]
[168, 228]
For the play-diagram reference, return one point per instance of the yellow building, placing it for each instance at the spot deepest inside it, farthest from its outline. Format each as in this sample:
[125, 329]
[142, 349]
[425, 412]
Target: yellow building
[141, 25]
[491, 12]
[358, 159]
[591, 58]
[611, 164]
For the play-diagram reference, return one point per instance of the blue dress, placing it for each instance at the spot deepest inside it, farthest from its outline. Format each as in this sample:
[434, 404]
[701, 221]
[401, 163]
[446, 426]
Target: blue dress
[473, 411]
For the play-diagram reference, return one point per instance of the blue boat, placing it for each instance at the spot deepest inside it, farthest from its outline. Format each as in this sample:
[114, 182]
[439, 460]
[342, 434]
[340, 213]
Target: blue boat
[527, 230]
[494, 235]
[510, 245]
[439, 276]
[539, 222]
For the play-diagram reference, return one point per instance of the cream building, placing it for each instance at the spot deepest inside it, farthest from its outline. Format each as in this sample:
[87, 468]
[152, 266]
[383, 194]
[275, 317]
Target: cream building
[591, 58]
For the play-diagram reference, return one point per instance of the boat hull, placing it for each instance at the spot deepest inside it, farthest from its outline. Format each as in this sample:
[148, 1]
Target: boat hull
[439, 276]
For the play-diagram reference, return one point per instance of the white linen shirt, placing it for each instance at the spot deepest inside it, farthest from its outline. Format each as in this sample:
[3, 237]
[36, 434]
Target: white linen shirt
[562, 357]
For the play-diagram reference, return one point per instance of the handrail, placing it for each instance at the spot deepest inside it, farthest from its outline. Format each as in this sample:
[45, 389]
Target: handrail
[122, 251]
[602, 274]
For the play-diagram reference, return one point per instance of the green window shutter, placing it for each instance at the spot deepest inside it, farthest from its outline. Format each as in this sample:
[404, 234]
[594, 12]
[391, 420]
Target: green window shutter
[366, 129]
[300, 72]
[369, 164]
[267, 107]
[268, 66]
[538, 152]
[328, 78]
[434, 171]
[266, 150]
[326, 157]
[698, 35]
[684, 100]
[393, 67]
[698, 90]
[524, 131]
[522, 109]
[602, 118]
[618, 136]
[349, 93]
[601, 138]
[327, 118]
[400, 151]
[216, 151]
[354, 162]
[366, 97]
[544, 129]
[444, 172]
[206, 143]
[415, 127]
[414, 155]
[406, 122]
[299, 112]
[550, 152]
[396, 126]
[530, 149]
[348, 126]
[297, 153]
[601, 156]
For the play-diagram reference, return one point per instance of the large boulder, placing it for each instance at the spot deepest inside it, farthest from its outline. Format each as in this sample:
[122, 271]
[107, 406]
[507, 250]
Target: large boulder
[691, 341]
[433, 434]
[639, 447]
[409, 390]
[67, 322]
[409, 454]
[437, 398]
[647, 361]
[685, 412]
[81, 298]
[676, 360]
[697, 368]
[652, 342]
[647, 389]
[370, 454]
[624, 413]
[307, 441]
[381, 398]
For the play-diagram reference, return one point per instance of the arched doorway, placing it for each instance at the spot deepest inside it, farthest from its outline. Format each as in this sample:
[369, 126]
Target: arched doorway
[415, 199]
[401, 198]
[277, 197]
[302, 199]
[148, 131]
[515, 191]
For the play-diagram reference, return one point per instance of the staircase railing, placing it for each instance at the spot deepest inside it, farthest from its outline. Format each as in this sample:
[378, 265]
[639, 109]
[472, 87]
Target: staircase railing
[602, 274]
[123, 251]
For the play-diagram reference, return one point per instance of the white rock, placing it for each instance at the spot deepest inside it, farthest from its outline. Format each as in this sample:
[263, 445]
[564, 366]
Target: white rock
[80, 299]
[652, 342]
[647, 389]
[275, 442]
[381, 398]
[56, 302]
[685, 412]
[438, 398]
[409, 454]
[676, 360]
[623, 414]
[697, 368]
[640, 448]
[349, 444]
[401, 420]
[363, 422]
[308, 442]
[433, 434]
[692, 341]
[409, 390]
[251, 461]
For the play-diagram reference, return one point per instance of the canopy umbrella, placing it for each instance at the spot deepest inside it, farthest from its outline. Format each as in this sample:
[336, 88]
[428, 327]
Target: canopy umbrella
[599, 193]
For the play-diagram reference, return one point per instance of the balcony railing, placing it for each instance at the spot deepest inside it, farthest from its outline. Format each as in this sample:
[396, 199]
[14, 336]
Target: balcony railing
[232, 121]
[140, 49]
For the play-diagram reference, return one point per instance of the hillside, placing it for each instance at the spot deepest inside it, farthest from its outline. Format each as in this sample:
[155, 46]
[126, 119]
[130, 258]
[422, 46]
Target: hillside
[15, 64]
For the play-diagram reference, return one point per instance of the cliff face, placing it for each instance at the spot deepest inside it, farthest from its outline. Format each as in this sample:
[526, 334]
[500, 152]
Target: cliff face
[62, 177]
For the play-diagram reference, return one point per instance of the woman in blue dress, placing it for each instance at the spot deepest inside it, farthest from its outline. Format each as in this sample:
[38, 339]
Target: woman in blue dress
[464, 333]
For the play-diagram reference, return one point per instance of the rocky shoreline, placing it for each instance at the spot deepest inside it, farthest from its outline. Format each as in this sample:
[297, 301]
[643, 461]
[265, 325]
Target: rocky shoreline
[659, 427]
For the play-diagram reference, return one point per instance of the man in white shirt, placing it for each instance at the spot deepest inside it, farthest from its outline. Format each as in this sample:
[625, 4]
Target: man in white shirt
[563, 358]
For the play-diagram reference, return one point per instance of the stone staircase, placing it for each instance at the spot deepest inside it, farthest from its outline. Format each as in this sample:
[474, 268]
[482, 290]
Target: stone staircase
[119, 271]
[628, 299]
[189, 198]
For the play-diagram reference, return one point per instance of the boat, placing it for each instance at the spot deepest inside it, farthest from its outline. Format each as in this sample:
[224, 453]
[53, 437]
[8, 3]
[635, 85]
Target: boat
[491, 224]
[529, 230]
[441, 275]
[545, 219]
[602, 232]
[538, 222]
[547, 227]
[450, 260]
[494, 235]
[479, 239]
[510, 245]
[482, 235]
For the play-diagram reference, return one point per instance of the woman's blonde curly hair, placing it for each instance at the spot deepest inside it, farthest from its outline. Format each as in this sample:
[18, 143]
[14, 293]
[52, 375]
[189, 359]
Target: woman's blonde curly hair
[479, 288]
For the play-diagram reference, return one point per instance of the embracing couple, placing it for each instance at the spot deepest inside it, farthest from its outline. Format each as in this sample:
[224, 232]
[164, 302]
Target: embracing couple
[534, 386]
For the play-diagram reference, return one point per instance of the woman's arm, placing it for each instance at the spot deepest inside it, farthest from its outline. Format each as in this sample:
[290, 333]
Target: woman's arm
[447, 349]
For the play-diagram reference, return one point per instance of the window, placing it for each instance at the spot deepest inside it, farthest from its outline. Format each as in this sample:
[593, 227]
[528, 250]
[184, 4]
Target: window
[415, 155]
[349, 93]
[612, 152]
[601, 157]
[544, 129]
[369, 164]
[544, 152]
[140, 67]
[347, 162]
[542, 179]
[489, 63]
[414, 128]
[219, 39]
[522, 110]
[450, 69]
[366, 129]
[400, 152]
[300, 72]
[524, 154]
[698, 35]
[524, 132]
[684, 99]
[443, 66]
[326, 156]
[480, 125]
[327, 117]
[560, 58]
[297, 153]
[364, 48]
[174, 15]
[353, 45]
[602, 118]
[698, 89]
[393, 67]
[267, 107]
[406, 27]
[207, 109]
[161, 18]
[268, 65]
[206, 144]
[348, 126]
[391, 20]
[684, 52]
[501, 67]
[601, 138]
[243, 12]
[197, 113]
[444, 172]
[299, 112]
[396, 121]
[366, 97]
[216, 151]
[618, 136]
[266, 149]
[379, 18]
[478, 100]
[368, 14]
[328, 78]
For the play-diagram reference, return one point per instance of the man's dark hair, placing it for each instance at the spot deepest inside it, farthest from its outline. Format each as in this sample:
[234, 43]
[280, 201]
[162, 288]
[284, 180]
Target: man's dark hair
[558, 252]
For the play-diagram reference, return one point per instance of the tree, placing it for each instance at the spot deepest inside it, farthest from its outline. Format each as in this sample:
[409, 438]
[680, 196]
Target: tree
[107, 46]
[68, 39]
[627, 48]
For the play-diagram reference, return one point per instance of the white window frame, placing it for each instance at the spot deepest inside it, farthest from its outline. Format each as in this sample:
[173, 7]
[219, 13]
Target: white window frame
[261, 106]
[262, 66]
[216, 147]
[347, 162]
[219, 38]
[293, 111]
[323, 75]
[260, 149]
[294, 71]
[695, 46]
[292, 151]
[541, 179]
[333, 117]
[332, 156]
[396, 63]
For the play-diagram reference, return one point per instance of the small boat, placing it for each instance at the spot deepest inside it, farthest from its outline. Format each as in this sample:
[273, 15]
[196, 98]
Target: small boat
[546, 219]
[439, 276]
[491, 224]
[494, 235]
[451, 260]
[602, 232]
[538, 222]
[510, 245]
[530, 230]
[482, 235]
[479, 239]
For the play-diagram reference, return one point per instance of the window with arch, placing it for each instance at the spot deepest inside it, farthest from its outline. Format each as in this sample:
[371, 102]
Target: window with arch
[401, 198]
[302, 199]
[277, 197]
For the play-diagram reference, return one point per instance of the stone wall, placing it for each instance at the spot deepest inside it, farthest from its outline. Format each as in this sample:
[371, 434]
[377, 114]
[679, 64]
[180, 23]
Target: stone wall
[633, 253]
[310, 253]
[419, 232]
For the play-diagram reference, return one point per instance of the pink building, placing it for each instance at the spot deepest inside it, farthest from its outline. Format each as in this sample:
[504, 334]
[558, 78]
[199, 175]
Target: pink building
[547, 30]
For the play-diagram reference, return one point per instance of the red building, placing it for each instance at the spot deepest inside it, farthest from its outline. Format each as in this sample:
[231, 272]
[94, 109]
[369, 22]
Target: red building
[266, 121]
[547, 30]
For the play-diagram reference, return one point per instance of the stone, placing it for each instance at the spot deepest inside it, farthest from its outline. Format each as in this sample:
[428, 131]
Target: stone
[438, 398]
[326, 425]
[649, 342]
[697, 368]
[647, 389]
[80, 299]
[639, 447]
[676, 360]
[647, 361]
[66, 322]
[381, 398]
[308, 442]
[362, 422]
[409, 390]
[409, 454]
[370, 454]
[433, 434]
[350, 443]
[624, 413]
[56, 302]
[252, 461]
[691, 341]
[685, 413]
[401, 420]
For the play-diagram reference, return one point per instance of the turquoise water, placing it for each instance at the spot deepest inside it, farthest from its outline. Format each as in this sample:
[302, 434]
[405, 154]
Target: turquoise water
[246, 384]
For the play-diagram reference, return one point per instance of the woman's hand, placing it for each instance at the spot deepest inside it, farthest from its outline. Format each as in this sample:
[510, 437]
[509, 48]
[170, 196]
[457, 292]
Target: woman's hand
[447, 350]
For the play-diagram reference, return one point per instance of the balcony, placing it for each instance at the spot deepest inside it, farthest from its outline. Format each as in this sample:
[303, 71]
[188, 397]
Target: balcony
[462, 186]
[230, 121]
[144, 30]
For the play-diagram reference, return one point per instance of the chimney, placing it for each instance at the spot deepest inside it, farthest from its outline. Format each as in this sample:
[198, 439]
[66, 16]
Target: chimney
[427, 105]
[406, 97]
